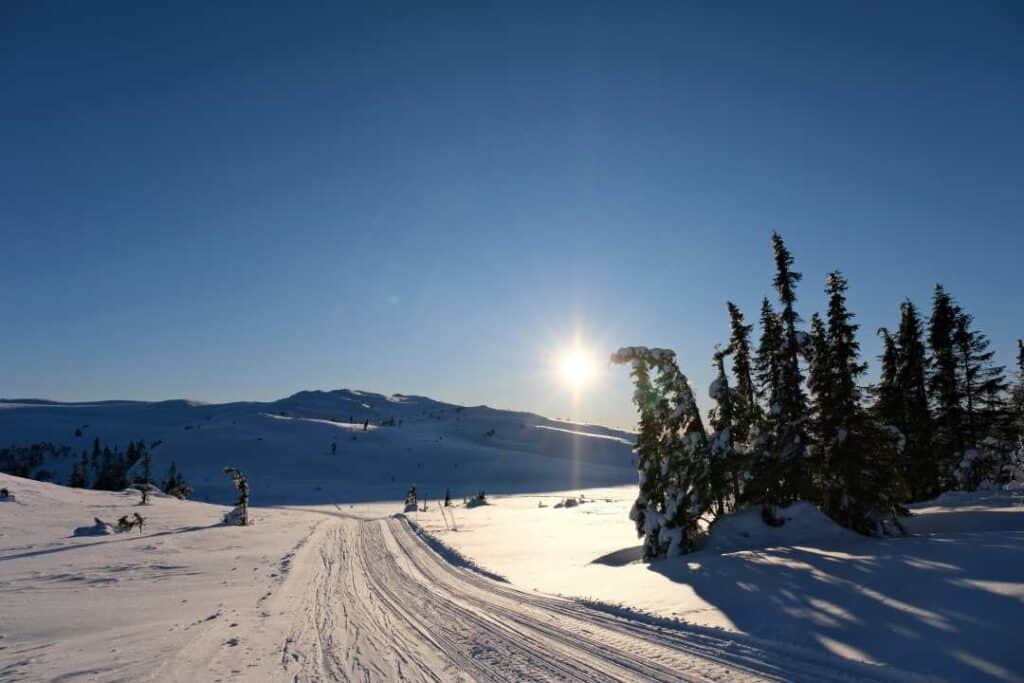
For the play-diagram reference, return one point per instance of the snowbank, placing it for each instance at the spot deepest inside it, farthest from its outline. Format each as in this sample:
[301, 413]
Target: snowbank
[745, 530]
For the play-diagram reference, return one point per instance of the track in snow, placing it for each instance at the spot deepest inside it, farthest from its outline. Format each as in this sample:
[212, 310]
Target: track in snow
[382, 606]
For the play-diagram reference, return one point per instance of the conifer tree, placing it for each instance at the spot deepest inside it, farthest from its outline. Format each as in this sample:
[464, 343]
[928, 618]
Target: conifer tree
[819, 383]
[747, 415]
[782, 476]
[1017, 402]
[860, 488]
[983, 383]
[767, 361]
[724, 465]
[77, 480]
[888, 408]
[944, 390]
[175, 484]
[240, 514]
[915, 421]
[672, 448]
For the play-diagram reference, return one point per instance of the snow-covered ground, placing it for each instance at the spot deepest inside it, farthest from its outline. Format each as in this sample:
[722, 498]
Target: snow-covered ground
[330, 585]
[945, 601]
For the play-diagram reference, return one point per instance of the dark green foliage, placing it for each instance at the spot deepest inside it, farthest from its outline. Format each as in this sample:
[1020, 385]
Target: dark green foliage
[982, 383]
[28, 461]
[859, 486]
[767, 361]
[1017, 400]
[781, 475]
[748, 418]
[175, 484]
[944, 392]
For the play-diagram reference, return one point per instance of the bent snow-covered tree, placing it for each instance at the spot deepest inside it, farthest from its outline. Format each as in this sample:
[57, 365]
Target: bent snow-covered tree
[672, 450]
[240, 515]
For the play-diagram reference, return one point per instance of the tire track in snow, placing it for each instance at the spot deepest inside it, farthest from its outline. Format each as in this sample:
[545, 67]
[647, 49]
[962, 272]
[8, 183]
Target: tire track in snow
[383, 606]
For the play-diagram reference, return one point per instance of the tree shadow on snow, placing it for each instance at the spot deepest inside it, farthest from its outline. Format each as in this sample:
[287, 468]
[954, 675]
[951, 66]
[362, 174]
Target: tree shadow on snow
[941, 605]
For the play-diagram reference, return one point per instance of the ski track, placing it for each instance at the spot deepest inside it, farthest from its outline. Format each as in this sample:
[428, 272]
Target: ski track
[378, 604]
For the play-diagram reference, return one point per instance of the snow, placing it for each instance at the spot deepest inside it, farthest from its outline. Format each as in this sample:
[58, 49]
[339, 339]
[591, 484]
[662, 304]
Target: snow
[284, 447]
[938, 603]
[330, 585]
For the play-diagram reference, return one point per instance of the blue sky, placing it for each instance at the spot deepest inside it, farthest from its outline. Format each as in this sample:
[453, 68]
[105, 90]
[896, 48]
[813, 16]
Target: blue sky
[241, 203]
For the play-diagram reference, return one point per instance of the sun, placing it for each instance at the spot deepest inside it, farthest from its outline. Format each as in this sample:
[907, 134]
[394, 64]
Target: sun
[576, 367]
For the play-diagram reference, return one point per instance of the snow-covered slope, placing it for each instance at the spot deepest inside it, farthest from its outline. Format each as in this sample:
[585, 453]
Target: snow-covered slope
[285, 447]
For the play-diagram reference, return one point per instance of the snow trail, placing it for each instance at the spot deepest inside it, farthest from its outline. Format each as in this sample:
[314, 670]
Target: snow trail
[378, 604]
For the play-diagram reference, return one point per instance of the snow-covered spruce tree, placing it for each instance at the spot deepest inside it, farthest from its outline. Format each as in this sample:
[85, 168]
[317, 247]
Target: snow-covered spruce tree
[944, 391]
[860, 488]
[672, 449]
[781, 476]
[723, 458]
[240, 514]
[747, 415]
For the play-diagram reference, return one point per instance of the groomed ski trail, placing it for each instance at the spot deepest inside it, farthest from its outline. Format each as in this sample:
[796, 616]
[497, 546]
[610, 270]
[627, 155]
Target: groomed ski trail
[376, 603]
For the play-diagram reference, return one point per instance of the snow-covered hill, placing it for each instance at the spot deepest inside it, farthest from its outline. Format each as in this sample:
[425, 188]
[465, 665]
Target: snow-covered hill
[311, 447]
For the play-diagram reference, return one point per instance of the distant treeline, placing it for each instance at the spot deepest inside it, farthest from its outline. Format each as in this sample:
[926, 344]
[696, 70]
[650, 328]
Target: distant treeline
[103, 468]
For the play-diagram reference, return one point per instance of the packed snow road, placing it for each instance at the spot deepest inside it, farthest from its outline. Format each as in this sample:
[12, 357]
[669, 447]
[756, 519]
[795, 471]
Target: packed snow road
[378, 604]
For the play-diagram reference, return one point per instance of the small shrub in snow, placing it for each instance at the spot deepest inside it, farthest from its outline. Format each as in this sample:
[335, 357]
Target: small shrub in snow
[411, 499]
[477, 500]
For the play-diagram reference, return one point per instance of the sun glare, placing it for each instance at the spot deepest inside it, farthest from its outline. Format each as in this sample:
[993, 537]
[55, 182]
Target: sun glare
[576, 368]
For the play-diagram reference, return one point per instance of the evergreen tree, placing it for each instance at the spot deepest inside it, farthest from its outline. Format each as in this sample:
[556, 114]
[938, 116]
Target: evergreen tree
[983, 383]
[819, 383]
[1017, 402]
[94, 461]
[672, 449]
[767, 361]
[782, 475]
[914, 421]
[77, 480]
[240, 515]
[888, 407]
[724, 465]
[175, 484]
[747, 415]
[83, 469]
[944, 389]
[147, 476]
[859, 486]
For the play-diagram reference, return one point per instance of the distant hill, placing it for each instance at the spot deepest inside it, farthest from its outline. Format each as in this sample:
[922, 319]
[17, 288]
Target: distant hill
[285, 446]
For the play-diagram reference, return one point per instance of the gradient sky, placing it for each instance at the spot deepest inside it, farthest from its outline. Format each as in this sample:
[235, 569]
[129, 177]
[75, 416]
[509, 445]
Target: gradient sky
[241, 203]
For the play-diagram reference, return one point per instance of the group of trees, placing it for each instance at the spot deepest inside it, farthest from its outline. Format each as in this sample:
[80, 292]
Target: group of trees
[107, 469]
[793, 420]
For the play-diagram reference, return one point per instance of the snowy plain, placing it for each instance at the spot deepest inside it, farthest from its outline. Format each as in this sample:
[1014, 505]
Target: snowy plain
[330, 584]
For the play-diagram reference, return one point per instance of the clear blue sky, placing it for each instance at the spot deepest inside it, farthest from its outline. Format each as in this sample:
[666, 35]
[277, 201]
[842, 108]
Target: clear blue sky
[242, 203]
